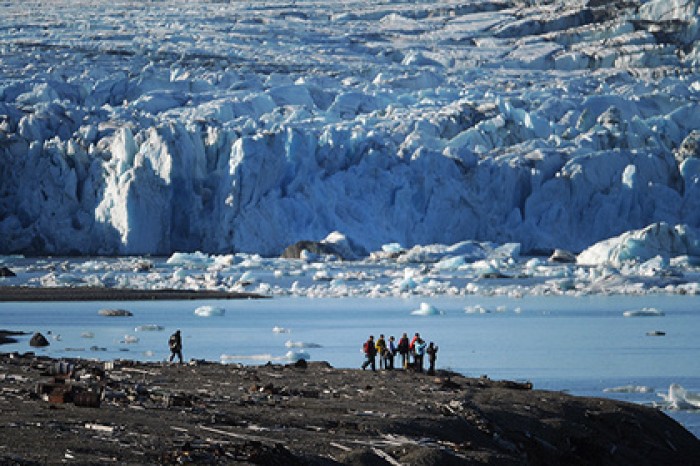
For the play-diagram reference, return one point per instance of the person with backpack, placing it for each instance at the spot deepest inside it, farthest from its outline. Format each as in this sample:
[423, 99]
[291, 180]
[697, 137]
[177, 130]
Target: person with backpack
[370, 351]
[419, 349]
[175, 345]
[403, 349]
[412, 346]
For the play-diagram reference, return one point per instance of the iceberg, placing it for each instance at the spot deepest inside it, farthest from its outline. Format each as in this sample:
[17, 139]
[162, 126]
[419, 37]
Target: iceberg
[426, 309]
[659, 239]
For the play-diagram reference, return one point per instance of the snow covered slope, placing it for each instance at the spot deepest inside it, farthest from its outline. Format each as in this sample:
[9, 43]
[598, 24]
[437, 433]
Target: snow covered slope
[152, 127]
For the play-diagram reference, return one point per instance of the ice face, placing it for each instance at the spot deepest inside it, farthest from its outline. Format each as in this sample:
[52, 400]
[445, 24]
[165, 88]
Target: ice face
[221, 128]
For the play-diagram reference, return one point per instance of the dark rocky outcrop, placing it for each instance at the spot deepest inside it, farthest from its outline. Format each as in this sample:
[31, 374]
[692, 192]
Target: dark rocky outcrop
[38, 340]
[5, 272]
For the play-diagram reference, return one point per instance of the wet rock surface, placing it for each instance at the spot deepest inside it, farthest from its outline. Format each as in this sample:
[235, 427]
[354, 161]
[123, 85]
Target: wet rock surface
[77, 411]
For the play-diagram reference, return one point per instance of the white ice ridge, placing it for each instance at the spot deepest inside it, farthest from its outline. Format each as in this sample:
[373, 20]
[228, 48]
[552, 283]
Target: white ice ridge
[151, 128]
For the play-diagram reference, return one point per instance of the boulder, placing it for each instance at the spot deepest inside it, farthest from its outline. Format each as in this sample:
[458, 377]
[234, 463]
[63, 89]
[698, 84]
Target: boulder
[563, 257]
[38, 340]
[5, 272]
[314, 247]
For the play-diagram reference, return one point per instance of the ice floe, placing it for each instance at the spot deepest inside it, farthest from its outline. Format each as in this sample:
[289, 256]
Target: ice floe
[209, 311]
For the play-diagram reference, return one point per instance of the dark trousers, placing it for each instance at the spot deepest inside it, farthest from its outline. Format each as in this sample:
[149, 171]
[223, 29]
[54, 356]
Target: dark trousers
[369, 362]
[177, 353]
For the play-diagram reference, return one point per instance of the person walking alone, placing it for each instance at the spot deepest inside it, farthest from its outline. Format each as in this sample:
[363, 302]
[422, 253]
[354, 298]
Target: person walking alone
[175, 345]
[370, 353]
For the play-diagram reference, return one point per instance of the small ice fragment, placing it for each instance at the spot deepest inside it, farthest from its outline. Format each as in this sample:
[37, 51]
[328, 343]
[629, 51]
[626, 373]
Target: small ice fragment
[297, 355]
[301, 344]
[149, 328]
[277, 329]
[644, 312]
[129, 339]
[209, 311]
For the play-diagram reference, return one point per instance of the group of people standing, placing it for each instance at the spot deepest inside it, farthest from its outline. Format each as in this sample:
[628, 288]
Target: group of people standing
[412, 352]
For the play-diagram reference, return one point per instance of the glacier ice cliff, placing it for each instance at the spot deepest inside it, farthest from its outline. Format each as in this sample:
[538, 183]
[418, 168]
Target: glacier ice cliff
[135, 129]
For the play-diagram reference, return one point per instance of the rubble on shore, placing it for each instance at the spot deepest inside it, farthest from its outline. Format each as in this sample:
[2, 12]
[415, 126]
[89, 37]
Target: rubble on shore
[129, 412]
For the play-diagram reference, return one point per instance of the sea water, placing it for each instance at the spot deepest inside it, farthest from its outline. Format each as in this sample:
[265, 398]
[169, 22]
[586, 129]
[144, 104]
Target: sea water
[582, 345]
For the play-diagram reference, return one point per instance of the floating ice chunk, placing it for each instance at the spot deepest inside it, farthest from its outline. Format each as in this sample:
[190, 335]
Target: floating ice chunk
[277, 329]
[426, 309]
[680, 398]
[644, 312]
[209, 311]
[300, 344]
[130, 339]
[322, 276]
[295, 355]
[148, 354]
[476, 309]
[247, 278]
[629, 389]
[189, 259]
[149, 328]
[87, 335]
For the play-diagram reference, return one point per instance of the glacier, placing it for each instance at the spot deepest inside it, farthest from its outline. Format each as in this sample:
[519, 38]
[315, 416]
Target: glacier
[228, 127]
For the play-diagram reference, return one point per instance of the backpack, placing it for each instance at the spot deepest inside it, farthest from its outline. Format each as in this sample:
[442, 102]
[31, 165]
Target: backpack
[365, 348]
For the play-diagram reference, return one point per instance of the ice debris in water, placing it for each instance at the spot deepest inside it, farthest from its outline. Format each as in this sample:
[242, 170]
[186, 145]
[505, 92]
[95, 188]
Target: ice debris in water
[209, 311]
[476, 309]
[130, 339]
[301, 344]
[629, 389]
[149, 328]
[680, 398]
[644, 312]
[277, 329]
[295, 355]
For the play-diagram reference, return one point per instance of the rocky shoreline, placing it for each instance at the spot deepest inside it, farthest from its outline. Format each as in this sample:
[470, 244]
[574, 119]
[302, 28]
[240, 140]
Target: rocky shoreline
[126, 412]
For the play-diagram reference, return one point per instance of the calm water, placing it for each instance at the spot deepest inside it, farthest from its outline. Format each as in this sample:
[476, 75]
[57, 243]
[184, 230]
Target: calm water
[582, 345]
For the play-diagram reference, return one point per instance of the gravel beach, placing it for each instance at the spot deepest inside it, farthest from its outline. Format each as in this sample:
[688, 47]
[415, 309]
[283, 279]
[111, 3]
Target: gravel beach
[125, 412]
